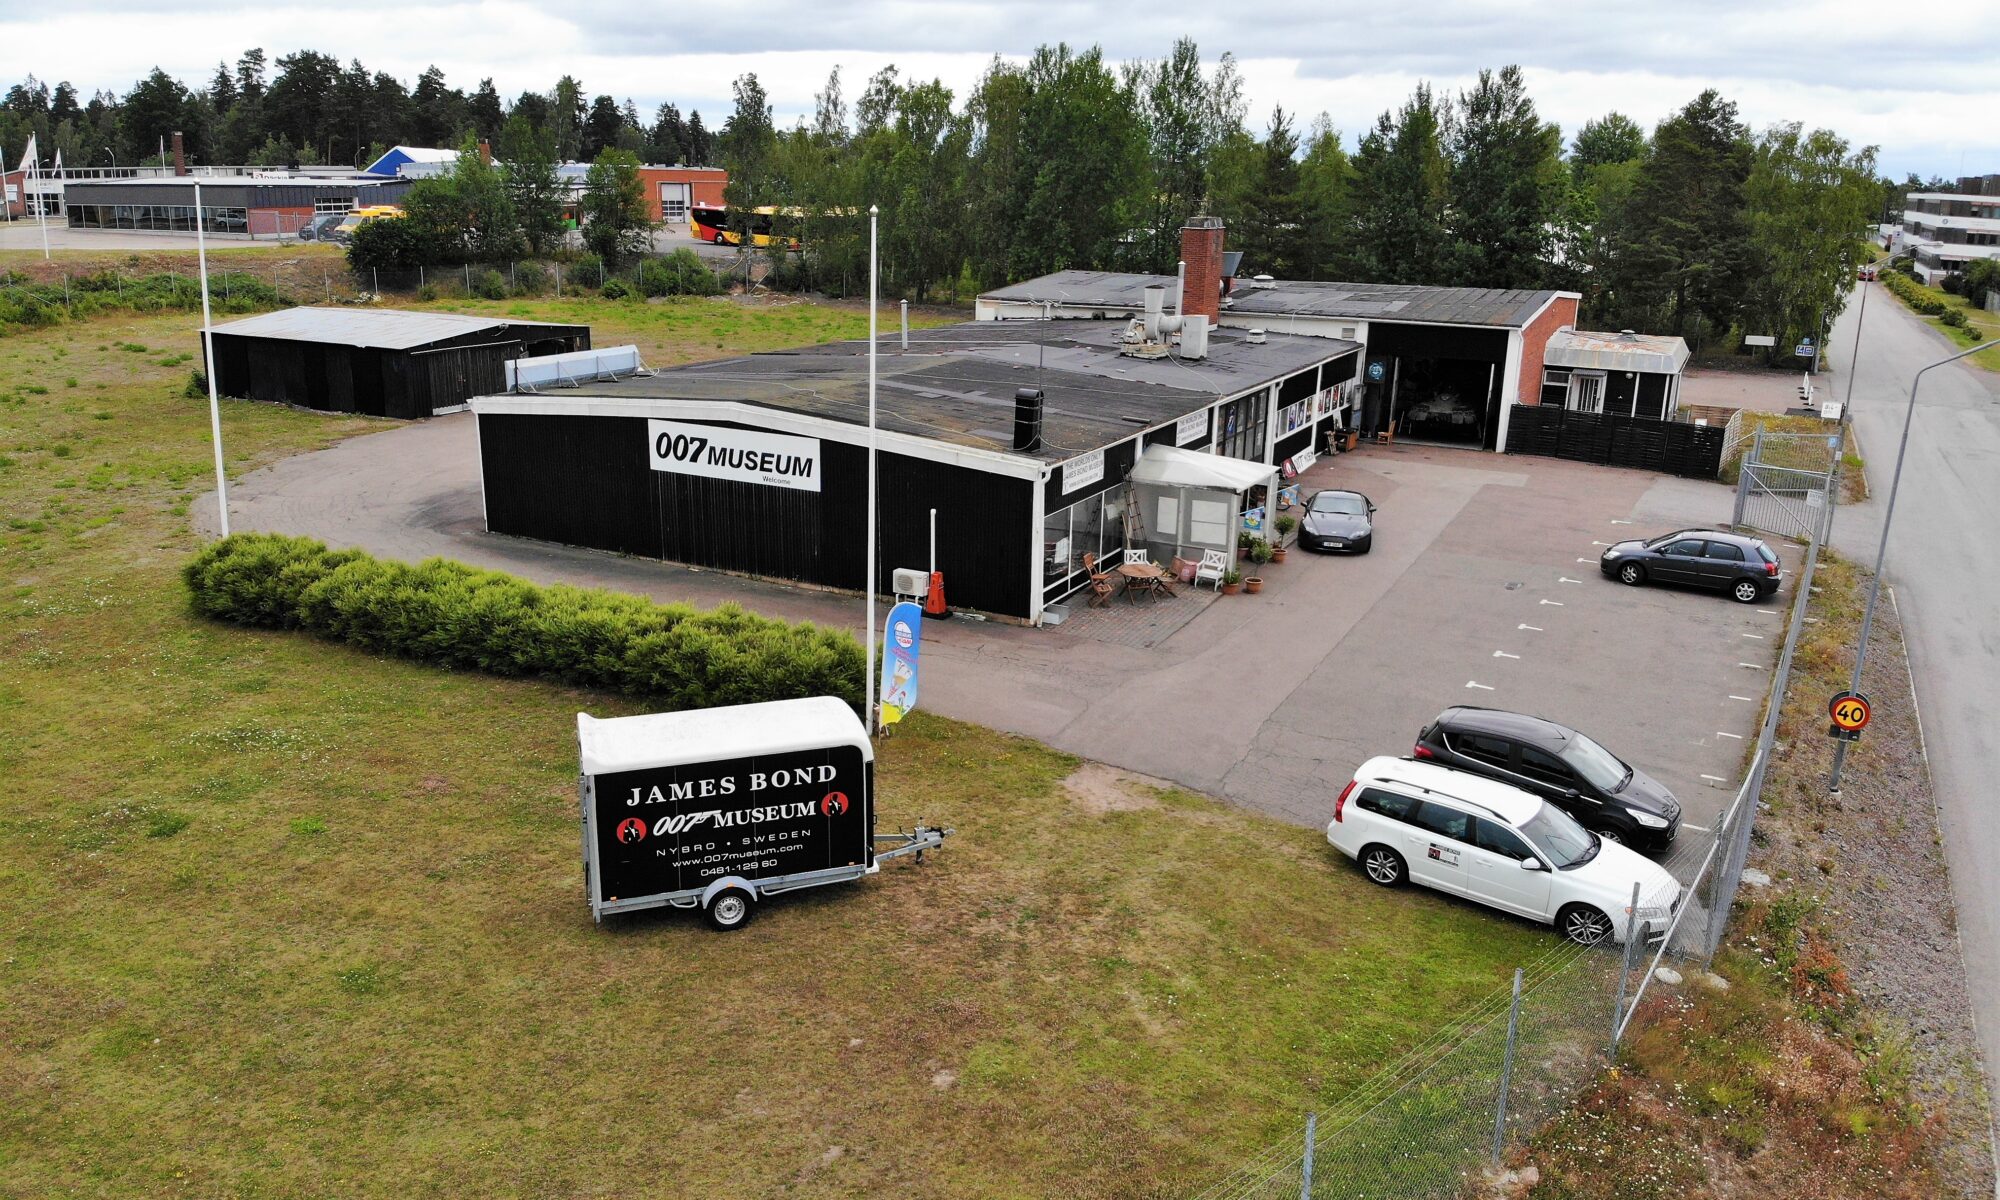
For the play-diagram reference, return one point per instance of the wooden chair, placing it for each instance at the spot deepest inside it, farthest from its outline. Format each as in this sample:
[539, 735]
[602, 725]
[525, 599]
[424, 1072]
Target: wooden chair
[1100, 582]
[1386, 435]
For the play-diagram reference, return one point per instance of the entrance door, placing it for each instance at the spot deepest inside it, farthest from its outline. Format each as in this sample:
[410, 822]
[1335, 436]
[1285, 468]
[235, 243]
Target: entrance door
[1586, 391]
[674, 202]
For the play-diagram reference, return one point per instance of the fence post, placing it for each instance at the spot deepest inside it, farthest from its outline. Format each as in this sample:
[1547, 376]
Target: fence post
[1625, 967]
[327, 280]
[1507, 1070]
[374, 283]
[1306, 1169]
[420, 276]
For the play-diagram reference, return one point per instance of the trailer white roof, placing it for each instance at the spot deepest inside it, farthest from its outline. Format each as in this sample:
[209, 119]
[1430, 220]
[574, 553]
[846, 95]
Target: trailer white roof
[714, 734]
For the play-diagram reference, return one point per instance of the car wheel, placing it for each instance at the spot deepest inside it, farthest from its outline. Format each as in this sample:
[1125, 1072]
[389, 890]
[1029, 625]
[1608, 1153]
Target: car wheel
[730, 909]
[1611, 835]
[1383, 865]
[1632, 574]
[1746, 591]
[718, 237]
[1584, 925]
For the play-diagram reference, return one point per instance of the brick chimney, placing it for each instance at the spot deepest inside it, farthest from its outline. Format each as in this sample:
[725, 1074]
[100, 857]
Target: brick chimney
[1201, 250]
[485, 152]
[180, 154]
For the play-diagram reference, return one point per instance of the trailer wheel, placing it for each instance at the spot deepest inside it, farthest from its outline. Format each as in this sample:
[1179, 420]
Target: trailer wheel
[730, 909]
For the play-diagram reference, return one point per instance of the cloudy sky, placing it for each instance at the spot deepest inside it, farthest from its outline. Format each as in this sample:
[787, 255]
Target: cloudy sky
[1928, 97]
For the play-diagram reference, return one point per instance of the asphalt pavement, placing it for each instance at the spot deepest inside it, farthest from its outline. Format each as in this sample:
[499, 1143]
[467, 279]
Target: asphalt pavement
[1944, 566]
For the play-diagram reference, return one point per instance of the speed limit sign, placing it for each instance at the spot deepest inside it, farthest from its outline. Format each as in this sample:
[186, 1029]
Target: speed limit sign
[1850, 712]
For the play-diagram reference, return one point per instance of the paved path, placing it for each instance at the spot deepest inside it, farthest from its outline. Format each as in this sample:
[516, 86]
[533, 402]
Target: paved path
[1944, 564]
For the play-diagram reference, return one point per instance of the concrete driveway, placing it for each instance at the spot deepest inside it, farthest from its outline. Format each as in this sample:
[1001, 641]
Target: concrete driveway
[1482, 589]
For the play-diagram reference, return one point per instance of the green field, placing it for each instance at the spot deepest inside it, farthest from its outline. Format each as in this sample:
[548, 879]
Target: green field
[287, 919]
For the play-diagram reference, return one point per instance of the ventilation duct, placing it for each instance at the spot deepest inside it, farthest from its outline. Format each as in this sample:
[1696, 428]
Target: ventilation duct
[1028, 419]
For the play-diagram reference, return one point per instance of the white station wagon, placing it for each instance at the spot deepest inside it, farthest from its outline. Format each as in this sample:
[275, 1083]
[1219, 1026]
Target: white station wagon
[1475, 837]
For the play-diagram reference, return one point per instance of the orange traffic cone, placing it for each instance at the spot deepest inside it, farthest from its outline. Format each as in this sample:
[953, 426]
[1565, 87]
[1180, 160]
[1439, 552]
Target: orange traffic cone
[934, 598]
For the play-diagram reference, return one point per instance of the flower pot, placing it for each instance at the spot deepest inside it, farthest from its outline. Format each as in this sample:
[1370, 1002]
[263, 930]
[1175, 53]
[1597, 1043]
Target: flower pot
[1230, 589]
[1277, 554]
[1254, 584]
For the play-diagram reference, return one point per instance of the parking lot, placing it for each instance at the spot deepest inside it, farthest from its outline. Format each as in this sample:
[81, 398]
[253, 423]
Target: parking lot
[1482, 589]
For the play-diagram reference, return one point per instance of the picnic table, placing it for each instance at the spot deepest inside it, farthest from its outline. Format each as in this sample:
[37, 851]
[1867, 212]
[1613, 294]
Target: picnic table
[1146, 579]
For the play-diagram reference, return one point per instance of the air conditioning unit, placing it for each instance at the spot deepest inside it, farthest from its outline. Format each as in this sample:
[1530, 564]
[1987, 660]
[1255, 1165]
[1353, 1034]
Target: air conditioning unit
[911, 583]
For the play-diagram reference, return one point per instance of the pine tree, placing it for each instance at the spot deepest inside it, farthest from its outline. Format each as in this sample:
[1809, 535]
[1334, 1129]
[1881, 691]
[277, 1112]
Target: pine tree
[1272, 233]
[669, 138]
[601, 126]
[1402, 188]
[485, 112]
[1684, 248]
[1507, 184]
[1326, 183]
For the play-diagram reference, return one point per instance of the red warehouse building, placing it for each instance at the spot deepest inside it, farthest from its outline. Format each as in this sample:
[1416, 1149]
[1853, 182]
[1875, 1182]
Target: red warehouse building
[671, 190]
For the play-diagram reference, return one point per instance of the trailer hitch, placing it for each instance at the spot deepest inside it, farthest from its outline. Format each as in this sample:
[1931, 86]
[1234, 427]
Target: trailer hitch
[924, 837]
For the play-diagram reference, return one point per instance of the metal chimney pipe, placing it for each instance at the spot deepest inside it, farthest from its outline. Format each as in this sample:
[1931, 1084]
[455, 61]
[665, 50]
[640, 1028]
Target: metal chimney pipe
[1180, 289]
[1028, 419]
[906, 324]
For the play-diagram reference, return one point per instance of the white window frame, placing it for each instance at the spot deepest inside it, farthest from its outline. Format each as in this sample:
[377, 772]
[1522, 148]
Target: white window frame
[1578, 400]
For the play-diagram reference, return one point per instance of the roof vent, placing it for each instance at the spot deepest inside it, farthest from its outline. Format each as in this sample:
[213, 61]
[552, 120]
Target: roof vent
[1255, 337]
[1627, 333]
[1263, 281]
[1028, 419]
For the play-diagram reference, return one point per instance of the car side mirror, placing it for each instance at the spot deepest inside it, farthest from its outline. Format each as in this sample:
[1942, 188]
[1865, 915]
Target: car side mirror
[1371, 506]
[1531, 863]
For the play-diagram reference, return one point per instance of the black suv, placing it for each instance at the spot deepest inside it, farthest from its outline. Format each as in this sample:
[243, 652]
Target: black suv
[1709, 558]
[1559, 764]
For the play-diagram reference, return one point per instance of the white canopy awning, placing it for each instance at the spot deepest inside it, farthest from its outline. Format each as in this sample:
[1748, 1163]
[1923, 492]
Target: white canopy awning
[1168, 466]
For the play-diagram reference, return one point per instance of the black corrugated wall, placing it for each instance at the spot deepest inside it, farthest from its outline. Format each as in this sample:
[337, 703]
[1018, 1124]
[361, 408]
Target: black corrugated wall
[586, 481]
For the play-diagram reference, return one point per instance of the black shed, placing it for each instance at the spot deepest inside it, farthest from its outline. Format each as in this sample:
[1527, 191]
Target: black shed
[382, 362]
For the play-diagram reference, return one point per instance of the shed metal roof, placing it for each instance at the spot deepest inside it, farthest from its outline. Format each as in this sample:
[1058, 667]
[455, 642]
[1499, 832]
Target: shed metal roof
[956, 383]
[1509, 308]
[1654, 353]
[379, 328]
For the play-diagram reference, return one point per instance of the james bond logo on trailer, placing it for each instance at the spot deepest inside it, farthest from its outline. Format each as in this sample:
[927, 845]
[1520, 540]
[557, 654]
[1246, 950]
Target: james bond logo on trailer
[737, 455]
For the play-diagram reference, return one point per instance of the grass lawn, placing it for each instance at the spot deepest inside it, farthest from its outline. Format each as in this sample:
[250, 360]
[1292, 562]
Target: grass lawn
[286, 919]
[1987, 323]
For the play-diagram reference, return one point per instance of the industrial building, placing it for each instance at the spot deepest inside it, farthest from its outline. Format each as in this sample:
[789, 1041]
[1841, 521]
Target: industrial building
[380, 362]
[230, 204]
[1020, 437]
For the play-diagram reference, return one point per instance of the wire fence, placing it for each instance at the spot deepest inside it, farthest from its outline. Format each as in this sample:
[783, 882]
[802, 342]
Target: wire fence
[1431, 1123]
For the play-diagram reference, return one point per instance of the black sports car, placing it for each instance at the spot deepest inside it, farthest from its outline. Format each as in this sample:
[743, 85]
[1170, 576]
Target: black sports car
[1338, 520]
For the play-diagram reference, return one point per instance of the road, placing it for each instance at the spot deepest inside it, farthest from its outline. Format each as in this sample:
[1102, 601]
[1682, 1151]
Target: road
[1944, 564]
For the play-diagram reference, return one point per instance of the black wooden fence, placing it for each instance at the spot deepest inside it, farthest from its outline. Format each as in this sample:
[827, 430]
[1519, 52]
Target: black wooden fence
[1675, 447]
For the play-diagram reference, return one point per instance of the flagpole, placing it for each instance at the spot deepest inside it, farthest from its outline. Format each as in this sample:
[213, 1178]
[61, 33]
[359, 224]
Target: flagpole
[208, 364]
[874, 284]
[41, 218]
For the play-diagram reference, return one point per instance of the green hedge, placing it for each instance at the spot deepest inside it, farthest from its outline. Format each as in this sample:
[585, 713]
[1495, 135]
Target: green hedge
[1912, 293]
[457, 616]
[30, 305]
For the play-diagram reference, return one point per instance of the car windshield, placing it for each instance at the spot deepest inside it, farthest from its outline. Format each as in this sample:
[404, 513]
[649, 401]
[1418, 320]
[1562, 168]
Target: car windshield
[1346, 503]
[1555, 834]
[1599, 767]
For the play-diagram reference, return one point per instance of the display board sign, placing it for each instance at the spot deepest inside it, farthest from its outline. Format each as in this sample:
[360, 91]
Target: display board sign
[1082, 472]
[1190, 428]
[903, 640]
[670, 829]
[1760, 339]
[736, 455]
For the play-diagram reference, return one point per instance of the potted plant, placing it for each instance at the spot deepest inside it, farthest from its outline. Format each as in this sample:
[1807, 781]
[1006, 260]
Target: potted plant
[1232, 579]
[1243, 540]
[1260, 551]
[1285, 525]
[1254, 584]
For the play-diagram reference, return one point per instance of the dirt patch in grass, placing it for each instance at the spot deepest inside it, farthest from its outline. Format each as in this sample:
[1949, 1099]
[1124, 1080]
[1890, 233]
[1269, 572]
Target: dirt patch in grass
[1099, 789]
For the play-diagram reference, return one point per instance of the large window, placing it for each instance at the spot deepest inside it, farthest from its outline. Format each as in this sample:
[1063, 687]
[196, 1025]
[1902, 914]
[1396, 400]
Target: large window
[333, 204]
[1094, 526]
[174, 217]
[1240, 427]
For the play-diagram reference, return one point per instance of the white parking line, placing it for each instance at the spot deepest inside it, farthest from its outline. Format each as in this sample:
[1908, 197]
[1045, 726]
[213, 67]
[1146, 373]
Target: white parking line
[1530, 628]
[1583, 560]
[1567, 579]
[1698, 828]
[1556, 603]
[1736, 736]
[1715, 779]
[1745, 699]
[1752, 666]
[1616, 521]
[1600, 543]
[1504, 654]
[1755, 636]
[1482, 687]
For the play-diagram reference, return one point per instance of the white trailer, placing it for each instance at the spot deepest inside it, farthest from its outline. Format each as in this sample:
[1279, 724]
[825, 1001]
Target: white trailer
[717, 808]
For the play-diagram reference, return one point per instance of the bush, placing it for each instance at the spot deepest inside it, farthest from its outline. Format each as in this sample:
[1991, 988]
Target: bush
[617, 289]
[1953, 316]
[489, 285]
[681, 273]
[586, 271]
[1916, 295]
[456, 616]
[197, 385]
[530, 279]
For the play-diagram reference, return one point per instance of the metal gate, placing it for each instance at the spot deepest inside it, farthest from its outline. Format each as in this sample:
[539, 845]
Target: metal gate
[1787, 497]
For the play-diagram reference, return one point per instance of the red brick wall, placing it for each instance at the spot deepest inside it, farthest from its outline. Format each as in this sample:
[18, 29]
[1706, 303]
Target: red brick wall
[1535, 340]
[1201, 250]
[707, 187]
[267, 221]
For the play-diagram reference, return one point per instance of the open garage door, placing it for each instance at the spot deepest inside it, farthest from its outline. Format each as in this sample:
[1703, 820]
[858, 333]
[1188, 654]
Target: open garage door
[1438, 383]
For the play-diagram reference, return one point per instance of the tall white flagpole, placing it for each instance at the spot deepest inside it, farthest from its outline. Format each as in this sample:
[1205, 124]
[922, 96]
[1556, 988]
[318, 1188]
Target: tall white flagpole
[874, 289]
[208, 364]
[41, 218]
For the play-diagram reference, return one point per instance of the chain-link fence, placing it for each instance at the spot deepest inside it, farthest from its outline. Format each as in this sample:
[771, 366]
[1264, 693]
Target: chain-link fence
[1428, 1124]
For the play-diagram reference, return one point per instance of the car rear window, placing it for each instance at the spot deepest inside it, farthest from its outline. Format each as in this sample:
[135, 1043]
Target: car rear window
[1444, 822]
[1764, 552]
[1388, 804]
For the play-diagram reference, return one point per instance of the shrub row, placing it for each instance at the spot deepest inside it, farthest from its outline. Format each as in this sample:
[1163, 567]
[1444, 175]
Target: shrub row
[27, 304]
[453, 615]
[1912, 293]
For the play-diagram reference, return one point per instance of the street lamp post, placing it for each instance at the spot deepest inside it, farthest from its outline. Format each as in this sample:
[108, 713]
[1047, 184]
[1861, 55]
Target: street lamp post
[114, 157]
[1882, 549]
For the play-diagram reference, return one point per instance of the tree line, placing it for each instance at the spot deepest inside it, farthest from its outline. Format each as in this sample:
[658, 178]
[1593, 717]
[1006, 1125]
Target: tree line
[1697, 226]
